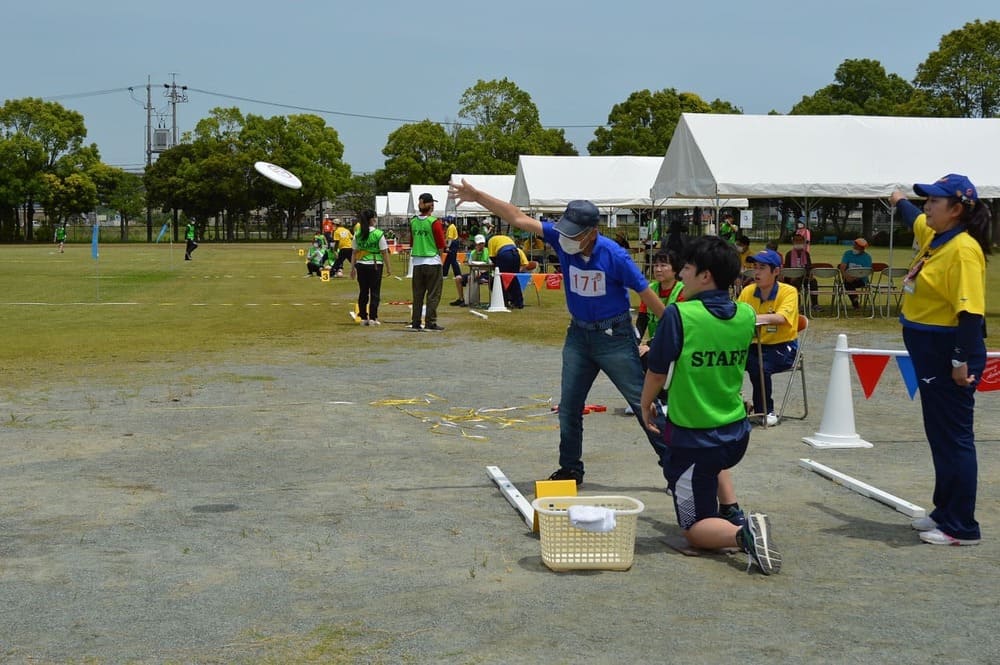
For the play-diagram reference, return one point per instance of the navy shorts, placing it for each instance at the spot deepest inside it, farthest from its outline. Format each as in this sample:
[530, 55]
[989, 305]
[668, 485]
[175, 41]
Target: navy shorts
[693, 478]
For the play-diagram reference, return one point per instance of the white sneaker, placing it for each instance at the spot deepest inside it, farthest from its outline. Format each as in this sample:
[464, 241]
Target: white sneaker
[364, 322]
[938, 537]
[923, 524]
[628, 410]
[771, 420]
[375, 322]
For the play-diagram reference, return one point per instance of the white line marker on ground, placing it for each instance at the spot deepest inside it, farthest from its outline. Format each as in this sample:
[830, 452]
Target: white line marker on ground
[480, 314]
[864, 489]
[513, 495]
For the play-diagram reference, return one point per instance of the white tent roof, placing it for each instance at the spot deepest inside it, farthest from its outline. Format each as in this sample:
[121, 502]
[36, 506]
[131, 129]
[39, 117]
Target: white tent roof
[499, 186]
[768, 156]
[549, 183]
[439, 192]
[381, 205]
[396, 204]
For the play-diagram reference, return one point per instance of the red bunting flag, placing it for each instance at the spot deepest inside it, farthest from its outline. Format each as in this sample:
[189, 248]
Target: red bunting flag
[869, 370]
[505, 279]
[553, 281]
[990, 379]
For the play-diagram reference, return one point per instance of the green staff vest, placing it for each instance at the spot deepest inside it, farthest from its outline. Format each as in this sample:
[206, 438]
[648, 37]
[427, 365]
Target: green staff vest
[369, 248]
[423, 237]
[708, 375]
[189, 232]
[654, 320]
[480, 256]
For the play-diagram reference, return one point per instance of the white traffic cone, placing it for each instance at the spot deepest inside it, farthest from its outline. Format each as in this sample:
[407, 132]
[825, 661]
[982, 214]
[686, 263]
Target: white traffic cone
[496, 295]
[836, 429]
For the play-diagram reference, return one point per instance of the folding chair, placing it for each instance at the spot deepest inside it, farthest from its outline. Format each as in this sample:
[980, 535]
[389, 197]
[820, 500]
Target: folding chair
[828, 282]
[797, 275]
[890, 285]
[746, 277]
[863, 292]
[798, 365]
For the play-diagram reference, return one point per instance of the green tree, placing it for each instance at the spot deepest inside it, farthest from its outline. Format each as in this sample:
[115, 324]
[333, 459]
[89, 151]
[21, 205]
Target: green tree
[360, 194]
[644, 123]
[120, 191]
[422, 153]
[38, 136]
[68, 197]
[860, 87]
[966, 69]
[501, 123]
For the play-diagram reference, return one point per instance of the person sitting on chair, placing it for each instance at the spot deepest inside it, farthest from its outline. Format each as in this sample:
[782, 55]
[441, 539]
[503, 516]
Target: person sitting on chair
[798, 257]
[856, 257]
[479, 256]
[777, 307]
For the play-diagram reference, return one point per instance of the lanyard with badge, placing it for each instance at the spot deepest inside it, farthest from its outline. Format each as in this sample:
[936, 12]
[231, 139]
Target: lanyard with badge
[910, 281]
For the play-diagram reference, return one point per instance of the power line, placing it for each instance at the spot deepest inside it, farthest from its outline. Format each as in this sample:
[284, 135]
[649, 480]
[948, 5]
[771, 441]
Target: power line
[94, 93]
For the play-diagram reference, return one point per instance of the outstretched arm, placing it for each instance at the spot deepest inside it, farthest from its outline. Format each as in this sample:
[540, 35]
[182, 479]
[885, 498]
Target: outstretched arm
[508, 212]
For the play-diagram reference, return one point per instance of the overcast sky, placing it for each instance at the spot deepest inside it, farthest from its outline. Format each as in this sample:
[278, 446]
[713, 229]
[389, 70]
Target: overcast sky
[405, 61]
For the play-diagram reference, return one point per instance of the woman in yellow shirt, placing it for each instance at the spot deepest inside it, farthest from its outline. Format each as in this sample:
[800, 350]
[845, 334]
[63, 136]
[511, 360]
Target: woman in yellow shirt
[944, 304]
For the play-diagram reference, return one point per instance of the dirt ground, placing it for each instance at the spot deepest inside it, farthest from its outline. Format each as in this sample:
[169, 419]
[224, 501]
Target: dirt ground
[290, 511]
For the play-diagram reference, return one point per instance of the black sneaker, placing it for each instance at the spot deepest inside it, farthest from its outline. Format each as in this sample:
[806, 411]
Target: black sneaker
[568, 474]
[457, 303]
[435, 327]
[414, 327]
[755, 540]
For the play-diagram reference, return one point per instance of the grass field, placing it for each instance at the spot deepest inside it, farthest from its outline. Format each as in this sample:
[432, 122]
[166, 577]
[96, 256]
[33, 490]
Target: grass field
[67, 315]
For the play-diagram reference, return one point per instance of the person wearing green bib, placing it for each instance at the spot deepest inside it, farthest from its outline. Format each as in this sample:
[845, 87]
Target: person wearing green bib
[699, 353]
[425, 257]
[369, 257]
[61, 237]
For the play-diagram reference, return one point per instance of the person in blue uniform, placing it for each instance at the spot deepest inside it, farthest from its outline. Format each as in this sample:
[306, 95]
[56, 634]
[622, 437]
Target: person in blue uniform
[597, 277]
[943, 310]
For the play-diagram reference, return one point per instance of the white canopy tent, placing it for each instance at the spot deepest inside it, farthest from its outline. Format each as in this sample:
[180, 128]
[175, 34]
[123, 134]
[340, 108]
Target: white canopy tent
[381, 205]
[499, 186]
[548, 183]
[439, 192]
[809, 157]
[396, 204]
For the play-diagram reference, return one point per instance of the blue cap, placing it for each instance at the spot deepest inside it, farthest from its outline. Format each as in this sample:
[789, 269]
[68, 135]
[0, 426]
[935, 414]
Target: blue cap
[578, 217]
[950, 185]
[767, 257]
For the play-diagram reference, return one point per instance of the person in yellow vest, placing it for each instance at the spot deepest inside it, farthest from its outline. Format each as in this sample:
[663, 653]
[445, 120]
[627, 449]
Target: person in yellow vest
[342, 241]
[943, 319]
[701, 349]
[777, 307]
[425, 257]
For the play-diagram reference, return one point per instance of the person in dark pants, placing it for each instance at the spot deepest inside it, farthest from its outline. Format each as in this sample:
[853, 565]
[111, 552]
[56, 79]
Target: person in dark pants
[504, 254]
[451, 240]
[368, 260]
[189, 236]
[425, 257]
[943, 310]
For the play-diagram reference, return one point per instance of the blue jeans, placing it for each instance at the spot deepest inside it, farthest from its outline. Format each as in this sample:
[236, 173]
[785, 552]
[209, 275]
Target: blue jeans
[615, 352]
[777, 358]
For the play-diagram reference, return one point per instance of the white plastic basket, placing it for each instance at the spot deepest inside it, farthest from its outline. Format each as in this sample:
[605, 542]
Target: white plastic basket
[565, 547]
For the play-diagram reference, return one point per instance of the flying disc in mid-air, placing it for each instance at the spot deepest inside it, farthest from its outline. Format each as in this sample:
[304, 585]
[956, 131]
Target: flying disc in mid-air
[277, 174]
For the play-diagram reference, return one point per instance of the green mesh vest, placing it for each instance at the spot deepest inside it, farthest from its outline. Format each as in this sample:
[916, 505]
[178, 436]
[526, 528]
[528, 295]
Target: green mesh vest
[708, 375]
[423, 237]
[654, 320]
[369, 248]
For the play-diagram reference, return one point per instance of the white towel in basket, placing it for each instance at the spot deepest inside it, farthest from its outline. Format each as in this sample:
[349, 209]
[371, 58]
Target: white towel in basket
[592, 518]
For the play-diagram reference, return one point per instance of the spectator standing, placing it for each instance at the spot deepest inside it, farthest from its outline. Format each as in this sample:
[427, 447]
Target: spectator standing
[451, 242]
[327, 228]
[803, 230]
[943, 318]
[369, 261]
[425, 257]
[342, 238]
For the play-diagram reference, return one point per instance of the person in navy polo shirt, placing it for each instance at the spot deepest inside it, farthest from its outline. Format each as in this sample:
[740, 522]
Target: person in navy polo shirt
[597, 275]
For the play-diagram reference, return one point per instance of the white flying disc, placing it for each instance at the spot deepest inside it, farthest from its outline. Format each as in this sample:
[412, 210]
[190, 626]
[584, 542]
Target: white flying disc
[277, 174]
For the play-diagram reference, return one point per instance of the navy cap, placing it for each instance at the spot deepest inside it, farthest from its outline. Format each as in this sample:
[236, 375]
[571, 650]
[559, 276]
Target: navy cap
[950, 185]
[578, 217]
[427, 198]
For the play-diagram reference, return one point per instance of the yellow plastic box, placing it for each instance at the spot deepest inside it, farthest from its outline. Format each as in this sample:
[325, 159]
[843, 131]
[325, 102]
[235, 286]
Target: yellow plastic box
[565, 547]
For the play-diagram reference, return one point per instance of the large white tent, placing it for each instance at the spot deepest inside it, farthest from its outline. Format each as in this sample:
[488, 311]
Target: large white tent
[439, 192]
[548, 183]
[381, 205]
[809, 157]
[498, 186]
[396, 204]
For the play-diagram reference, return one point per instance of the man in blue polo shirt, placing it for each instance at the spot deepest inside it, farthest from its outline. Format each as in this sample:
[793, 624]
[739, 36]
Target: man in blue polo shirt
[597, 274]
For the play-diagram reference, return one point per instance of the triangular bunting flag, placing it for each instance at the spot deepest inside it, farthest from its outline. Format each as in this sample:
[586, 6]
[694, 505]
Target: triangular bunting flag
[523, 278]
[538, 279]
[870, 370]
[506, 278]
[908, 373]
[990, 379]
[553, 281]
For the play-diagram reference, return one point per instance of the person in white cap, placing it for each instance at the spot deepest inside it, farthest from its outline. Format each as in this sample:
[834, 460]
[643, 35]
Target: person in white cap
[479, 256]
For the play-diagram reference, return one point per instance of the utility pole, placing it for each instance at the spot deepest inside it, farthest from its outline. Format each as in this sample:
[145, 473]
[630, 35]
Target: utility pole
[176, 94]
[149, 156]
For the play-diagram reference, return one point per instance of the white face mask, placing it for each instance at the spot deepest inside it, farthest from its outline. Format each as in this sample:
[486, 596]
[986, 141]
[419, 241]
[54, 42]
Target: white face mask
[569, 245]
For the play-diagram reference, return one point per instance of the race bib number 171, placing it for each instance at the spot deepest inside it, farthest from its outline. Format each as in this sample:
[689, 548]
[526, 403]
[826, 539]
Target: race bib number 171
[588, 283]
